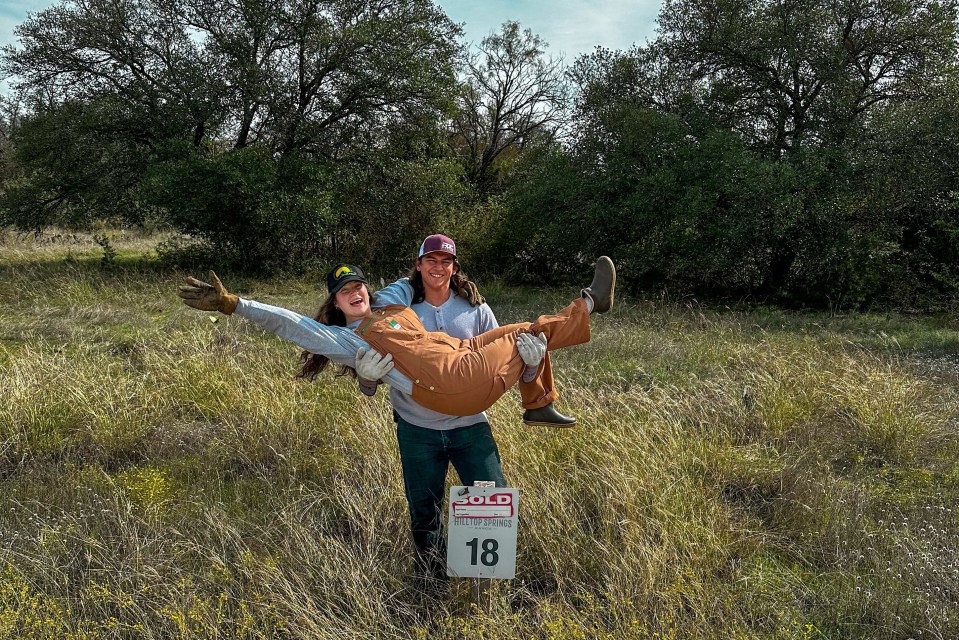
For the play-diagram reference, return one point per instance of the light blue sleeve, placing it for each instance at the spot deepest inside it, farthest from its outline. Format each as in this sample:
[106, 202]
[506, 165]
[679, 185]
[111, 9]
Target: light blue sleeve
[399, 292]
[485, 320]
[339, 344]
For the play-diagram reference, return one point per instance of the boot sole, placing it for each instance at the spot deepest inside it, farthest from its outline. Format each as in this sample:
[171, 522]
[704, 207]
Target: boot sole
[534, 423]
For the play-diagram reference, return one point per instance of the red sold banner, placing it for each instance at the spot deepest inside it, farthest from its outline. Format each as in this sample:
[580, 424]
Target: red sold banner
[497, 505]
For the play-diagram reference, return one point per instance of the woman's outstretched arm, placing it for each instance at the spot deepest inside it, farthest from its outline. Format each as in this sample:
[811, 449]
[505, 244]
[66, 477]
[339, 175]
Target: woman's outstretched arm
[339, 344]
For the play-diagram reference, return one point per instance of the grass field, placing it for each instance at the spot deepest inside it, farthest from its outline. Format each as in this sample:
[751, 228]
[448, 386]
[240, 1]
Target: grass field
[736, 473]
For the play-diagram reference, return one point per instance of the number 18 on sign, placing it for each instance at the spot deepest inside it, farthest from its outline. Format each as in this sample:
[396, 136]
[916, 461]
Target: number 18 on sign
[482, 532]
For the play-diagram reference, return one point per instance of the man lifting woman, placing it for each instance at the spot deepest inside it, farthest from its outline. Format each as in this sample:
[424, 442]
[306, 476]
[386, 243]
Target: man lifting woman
[448, 375]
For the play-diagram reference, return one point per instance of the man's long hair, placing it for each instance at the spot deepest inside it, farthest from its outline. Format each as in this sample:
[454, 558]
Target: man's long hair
[464, 287]
[314, 363]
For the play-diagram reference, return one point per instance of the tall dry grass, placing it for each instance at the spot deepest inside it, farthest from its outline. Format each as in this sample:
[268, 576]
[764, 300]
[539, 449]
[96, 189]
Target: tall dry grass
[735, 473]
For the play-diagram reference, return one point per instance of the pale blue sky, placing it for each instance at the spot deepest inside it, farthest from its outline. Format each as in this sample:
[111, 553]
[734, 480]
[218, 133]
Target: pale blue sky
[12, 13]
[571, 27]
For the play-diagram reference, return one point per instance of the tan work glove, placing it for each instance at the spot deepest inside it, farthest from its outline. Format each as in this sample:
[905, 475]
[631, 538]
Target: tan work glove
[208, 297]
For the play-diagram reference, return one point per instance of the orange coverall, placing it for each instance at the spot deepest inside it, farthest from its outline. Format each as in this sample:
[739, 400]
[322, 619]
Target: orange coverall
[463, 377]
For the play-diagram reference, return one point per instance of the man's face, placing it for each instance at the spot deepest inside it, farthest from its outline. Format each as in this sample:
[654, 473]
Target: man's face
[436, 268]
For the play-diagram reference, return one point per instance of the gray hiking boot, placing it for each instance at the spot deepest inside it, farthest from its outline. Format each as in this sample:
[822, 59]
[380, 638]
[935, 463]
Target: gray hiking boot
[601, 290]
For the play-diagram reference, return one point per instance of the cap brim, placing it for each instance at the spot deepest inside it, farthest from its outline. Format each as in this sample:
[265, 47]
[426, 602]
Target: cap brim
[348, 279]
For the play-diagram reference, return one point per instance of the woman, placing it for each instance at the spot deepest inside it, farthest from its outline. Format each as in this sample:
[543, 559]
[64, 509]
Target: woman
[456, 377]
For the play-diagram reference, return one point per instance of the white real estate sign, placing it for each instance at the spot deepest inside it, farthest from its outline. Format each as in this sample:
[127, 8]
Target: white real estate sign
[481, 540]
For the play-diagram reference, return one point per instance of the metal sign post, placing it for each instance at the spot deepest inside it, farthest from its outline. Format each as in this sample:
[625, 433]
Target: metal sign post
[481, 540]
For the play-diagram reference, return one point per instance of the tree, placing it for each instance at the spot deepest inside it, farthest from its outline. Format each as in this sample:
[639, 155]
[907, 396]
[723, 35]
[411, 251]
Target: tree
[294, 82]
[912, 166]
[297, 75]
[786, 72]
[678, 207]
[787, 75]
[512, 95]
[137, 53]
[73, 164]
[9, 114]
[796, 150]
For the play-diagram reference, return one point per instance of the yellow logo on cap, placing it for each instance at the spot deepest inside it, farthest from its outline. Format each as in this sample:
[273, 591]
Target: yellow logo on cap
[342, 271]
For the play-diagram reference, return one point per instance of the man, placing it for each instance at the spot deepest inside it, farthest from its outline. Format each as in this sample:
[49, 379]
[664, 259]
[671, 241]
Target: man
[445, 300]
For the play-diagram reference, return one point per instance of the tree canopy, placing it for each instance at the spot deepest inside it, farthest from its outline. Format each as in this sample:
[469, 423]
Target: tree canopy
[765, 148]
[803, 151]
[178, 89]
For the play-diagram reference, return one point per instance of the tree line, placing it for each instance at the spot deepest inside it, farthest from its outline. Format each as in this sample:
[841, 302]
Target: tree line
[803, 151]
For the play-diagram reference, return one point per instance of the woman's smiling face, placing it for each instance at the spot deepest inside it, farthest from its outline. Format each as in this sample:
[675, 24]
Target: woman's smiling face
[354, 301]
